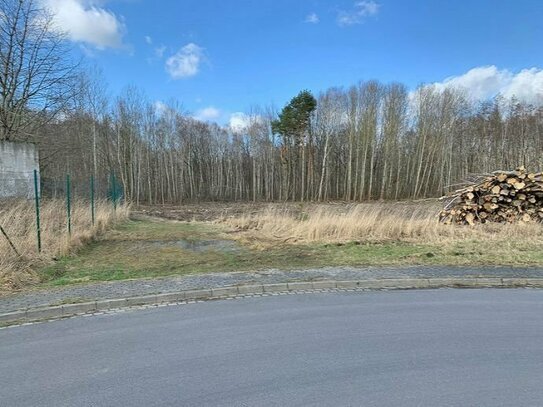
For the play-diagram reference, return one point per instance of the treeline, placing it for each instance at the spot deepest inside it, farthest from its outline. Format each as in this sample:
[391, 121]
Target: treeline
[370, 141]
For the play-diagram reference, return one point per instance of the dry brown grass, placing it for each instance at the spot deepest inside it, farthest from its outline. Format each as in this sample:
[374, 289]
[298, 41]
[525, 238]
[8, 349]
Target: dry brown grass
[18, 219]
[374, 222]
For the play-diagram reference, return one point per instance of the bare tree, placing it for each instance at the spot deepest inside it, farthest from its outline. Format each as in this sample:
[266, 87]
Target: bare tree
[36, 74]
[394, 145]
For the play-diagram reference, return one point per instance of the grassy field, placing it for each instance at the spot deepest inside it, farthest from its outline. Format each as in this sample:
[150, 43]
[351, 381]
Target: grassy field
[291, 236]
[150, 248]
[20, 267]
[382, 222]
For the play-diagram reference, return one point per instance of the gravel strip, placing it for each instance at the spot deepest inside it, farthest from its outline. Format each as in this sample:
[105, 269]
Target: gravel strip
[132, 288]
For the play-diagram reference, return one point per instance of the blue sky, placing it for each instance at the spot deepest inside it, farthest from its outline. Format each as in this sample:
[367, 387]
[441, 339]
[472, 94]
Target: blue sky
[222, 57]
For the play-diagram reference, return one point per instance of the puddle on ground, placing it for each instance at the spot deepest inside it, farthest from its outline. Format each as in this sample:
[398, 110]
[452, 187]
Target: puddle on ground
[198, 245]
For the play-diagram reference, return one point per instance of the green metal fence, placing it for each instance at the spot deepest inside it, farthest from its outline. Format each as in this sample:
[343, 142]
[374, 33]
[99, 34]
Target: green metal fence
[65, 190]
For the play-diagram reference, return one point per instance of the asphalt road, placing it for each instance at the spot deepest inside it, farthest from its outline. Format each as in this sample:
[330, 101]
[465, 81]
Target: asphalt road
[401, 348]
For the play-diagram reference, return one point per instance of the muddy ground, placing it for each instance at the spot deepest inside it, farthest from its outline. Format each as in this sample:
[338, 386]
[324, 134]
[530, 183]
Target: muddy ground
[200, 212]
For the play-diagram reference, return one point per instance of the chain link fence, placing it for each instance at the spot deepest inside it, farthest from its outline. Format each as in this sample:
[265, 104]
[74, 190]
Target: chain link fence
[82, 191]
[62, 214]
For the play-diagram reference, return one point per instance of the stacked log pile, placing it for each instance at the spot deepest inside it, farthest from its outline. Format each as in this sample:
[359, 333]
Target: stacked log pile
[503, 197]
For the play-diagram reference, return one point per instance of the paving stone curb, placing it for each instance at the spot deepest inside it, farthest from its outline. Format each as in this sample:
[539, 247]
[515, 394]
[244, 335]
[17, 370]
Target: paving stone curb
[68, 310]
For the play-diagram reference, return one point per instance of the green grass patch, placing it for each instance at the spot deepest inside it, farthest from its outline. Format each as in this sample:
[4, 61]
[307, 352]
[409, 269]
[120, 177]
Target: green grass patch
[149, 248]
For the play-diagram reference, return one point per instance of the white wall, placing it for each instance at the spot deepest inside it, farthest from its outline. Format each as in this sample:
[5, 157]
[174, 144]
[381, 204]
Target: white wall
[17, 164]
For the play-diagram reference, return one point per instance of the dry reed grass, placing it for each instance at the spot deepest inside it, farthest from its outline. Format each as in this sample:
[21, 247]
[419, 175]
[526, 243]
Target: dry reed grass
[374, 222]
[18, 219]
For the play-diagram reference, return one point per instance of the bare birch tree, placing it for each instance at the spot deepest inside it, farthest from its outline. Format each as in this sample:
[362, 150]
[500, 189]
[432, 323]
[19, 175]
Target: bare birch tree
[36, 75]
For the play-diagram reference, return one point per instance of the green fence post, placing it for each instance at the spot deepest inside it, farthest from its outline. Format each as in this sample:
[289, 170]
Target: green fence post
[68, 205]
[114, 190]
[37, 202]
[92, 198]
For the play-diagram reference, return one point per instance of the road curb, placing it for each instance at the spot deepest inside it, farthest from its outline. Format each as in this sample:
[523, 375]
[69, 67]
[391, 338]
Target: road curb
[68, 310]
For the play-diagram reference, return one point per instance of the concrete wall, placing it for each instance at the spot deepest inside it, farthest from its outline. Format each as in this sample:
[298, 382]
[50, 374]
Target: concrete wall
[17, 164]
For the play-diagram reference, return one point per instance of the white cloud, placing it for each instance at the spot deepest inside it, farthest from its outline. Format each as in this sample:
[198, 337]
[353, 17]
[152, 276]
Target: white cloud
[207, 114]
[360, 11]
[312, 18]
[487, 81]
[87, 22]
[160, 107]
[186, 62]
[239, 122]
[526, 85]
[148, 40]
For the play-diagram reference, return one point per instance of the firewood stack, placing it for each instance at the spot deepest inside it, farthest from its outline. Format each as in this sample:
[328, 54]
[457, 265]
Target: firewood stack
[502, 197]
